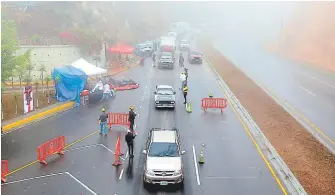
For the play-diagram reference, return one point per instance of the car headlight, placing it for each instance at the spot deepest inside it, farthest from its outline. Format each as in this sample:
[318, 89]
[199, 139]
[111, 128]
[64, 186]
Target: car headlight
[157, 102]
[172, 102]
[178, 172]
[150, 172]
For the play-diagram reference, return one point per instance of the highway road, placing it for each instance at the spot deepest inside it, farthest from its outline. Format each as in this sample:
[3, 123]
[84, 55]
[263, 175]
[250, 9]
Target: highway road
[307, 92]
[232, 163]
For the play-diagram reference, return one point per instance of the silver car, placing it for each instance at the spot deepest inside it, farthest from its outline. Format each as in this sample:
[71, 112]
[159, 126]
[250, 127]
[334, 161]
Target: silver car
[163, 158]
[165, 97]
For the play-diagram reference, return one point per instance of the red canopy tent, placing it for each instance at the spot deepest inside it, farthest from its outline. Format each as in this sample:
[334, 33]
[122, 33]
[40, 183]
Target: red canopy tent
[121, 48]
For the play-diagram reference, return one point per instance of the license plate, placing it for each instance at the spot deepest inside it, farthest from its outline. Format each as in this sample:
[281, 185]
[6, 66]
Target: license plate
[164, 183]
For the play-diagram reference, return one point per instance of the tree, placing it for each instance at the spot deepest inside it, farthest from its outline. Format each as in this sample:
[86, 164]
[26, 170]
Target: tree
[9, 45]
[22, 63]
[42, 69]
[47, 80]
[30, 68]
[13, 75]
[26, 78]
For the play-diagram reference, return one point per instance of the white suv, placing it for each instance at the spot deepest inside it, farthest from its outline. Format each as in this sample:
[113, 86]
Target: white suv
[163, 158]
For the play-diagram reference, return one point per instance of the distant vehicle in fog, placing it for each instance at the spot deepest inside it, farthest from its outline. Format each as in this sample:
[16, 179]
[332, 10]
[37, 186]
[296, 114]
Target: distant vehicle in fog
[184, 45]
[195, 56]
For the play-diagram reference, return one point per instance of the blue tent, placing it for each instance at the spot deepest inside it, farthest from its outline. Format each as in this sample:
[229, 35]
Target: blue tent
[69, 82]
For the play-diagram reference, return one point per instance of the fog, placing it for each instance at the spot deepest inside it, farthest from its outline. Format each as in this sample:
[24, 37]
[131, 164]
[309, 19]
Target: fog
[253, 22]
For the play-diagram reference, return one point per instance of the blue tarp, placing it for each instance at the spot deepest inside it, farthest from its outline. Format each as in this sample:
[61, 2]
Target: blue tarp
[69, 82]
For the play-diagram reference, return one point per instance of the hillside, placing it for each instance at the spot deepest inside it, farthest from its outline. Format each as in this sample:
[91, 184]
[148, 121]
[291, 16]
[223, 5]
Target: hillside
[134, 23]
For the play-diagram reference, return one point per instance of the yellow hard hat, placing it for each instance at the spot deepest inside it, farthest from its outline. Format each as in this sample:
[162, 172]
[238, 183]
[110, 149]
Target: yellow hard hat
[132, 107]
[182, 73]
[103, 109]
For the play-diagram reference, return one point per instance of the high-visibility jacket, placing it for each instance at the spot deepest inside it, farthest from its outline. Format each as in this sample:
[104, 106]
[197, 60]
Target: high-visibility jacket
[185, 89]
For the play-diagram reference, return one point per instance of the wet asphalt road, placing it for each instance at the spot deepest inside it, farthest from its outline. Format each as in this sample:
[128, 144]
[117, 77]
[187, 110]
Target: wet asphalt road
[309, 91]
[232, 164]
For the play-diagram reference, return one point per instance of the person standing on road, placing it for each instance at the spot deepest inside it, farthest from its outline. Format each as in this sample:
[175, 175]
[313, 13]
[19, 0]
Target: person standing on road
[181, 60]
[106, 92]
[185, 90]
[129, 139]
[154, 59]
[103, 121]
[132, 116]
[182, 79]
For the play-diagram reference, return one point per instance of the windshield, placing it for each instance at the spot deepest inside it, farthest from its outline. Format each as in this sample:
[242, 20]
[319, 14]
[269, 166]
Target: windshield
[196, 53]
[166, 54]
[184, 42]
[161, 149]
[164, 91]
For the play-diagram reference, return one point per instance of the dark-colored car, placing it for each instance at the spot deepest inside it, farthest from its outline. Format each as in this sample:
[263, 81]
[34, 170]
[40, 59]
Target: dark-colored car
[195, 56]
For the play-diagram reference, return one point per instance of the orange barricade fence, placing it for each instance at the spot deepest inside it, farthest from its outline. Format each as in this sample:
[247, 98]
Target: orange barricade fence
[118, 152]
[118, 119]
[220, 103]
[50, 147]
[4, 170]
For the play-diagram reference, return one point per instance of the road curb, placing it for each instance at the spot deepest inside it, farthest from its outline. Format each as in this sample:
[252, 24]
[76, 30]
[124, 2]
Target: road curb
[37, 117]
[287, 177]
[48, 113]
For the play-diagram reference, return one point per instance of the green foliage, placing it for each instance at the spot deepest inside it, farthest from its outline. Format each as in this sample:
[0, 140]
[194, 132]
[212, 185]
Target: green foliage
[9, 45]
[22, 65]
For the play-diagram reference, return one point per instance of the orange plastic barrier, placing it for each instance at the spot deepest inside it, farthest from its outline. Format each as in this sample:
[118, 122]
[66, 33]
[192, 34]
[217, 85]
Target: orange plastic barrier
[50, 147]
[118, 119]
[118, 152]
[220, 103]
[4, 170]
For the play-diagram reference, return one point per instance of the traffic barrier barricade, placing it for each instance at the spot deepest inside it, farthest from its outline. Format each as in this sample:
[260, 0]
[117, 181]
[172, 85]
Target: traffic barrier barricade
[220, 103]
[118, 119]
[118, 152]
[4, 170]
[49, 148]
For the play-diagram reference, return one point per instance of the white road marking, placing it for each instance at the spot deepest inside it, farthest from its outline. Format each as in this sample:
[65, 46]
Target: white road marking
[196, 166]
[112, 151]
[32, 178]
[51, 175]
[213, 177]
[327, 84]
[307, 91]
[81, 183]
[81, 147]
[121, 174]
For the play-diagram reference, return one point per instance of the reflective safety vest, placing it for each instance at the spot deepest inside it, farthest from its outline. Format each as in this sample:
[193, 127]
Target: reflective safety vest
[210, 94]
[185, 89]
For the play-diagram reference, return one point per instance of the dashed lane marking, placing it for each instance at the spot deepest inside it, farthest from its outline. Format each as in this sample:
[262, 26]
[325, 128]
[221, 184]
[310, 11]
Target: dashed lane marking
[51, 175]
[30, 164]
[307, 91]
[196, 166]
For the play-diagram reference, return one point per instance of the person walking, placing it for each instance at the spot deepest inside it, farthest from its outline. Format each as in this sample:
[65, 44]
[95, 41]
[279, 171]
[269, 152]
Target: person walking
[183, 80]
[107, 92]
[132, 116]
[103, 122]
[154, 59]
[130, 142]
[185, 90]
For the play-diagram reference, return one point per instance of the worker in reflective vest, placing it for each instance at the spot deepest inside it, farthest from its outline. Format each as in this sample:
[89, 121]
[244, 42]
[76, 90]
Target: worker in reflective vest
[210, 93]
[185, 90]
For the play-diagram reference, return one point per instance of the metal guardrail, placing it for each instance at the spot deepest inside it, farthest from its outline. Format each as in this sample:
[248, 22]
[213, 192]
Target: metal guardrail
[290, 181]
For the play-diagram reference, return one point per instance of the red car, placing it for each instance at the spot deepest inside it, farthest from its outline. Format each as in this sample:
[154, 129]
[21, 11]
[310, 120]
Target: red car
[195, 56]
